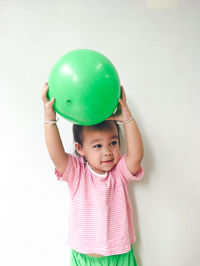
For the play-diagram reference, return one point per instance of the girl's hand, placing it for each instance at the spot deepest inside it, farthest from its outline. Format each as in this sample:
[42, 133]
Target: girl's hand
[49, 112]
[123, 113]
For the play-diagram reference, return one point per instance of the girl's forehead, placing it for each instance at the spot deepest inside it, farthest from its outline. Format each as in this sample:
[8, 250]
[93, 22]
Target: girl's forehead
[91, 132]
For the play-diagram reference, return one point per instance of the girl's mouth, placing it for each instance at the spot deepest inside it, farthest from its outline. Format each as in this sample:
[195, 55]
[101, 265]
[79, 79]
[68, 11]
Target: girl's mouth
[108, 161]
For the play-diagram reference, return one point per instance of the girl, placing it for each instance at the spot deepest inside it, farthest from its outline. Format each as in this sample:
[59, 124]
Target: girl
[101, 221]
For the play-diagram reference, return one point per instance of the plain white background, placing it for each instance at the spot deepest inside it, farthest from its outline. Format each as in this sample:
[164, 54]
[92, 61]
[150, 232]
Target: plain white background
[155, 47]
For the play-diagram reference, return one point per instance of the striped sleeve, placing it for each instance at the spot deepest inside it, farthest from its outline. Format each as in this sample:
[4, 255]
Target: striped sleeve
[72, 171]
[125, 173]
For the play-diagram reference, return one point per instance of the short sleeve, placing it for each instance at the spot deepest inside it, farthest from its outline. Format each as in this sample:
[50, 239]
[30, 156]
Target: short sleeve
[72, 171]
[122, 169]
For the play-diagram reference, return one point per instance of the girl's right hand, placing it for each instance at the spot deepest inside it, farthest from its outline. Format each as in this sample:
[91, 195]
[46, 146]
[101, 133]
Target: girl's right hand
[49, 112]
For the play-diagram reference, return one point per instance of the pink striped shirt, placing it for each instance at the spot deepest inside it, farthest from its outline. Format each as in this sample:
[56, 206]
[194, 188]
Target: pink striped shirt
[101, 218]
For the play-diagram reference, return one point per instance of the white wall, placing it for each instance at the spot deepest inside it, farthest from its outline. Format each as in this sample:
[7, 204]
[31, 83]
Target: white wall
[155, 47]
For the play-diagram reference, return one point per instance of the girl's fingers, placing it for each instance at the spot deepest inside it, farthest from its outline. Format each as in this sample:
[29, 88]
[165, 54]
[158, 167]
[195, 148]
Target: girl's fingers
[51, 101]
[122, 102]
[123, 94]
[44, 93]
[111, 117]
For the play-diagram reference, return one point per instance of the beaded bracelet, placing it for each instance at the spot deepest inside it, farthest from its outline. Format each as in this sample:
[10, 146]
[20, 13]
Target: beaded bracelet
[51, 121]
[122, 123]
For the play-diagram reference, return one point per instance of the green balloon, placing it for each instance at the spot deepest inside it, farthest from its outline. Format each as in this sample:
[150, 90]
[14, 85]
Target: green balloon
[86, 87]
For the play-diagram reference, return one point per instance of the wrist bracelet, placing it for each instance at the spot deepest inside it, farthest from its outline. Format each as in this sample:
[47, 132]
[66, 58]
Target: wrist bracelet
[122, 123]
[51, 121]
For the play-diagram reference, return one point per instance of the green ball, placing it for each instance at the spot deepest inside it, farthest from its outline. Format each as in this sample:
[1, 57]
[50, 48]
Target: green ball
[86, 87]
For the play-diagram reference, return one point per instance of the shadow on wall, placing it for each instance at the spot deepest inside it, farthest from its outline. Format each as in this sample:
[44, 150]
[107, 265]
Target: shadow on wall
[148, 165]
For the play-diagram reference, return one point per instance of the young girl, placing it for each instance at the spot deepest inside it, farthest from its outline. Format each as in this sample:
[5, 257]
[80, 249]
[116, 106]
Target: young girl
[101, 220]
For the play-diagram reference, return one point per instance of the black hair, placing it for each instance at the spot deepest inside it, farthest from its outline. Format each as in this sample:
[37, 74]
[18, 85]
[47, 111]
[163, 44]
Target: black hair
[78, 129]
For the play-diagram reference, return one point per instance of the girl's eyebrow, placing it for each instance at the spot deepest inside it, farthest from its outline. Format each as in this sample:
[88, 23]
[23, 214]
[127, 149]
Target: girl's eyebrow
[114, 137]
[97, 140]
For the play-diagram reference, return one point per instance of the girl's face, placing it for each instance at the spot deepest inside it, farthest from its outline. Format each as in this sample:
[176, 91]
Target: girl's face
[100, 148]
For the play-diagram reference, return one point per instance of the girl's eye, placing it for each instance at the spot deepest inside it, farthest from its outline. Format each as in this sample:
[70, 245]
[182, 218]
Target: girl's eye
[97, 146]
[113, 143]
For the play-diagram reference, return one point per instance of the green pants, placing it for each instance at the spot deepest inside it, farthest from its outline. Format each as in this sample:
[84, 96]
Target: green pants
[125, 259]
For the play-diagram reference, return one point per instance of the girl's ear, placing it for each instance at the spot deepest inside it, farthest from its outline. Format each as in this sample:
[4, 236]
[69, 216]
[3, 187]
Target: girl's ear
[79, 148]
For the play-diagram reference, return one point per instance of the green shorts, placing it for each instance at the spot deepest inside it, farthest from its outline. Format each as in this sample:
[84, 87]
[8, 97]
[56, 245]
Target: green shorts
[125, 259]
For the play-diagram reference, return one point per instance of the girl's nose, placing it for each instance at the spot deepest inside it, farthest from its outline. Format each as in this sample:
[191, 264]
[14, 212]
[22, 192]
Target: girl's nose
[107, 152]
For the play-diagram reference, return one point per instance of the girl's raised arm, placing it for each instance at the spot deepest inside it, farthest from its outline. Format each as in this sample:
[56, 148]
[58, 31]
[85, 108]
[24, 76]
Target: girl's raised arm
[52, 136]
[135, 150]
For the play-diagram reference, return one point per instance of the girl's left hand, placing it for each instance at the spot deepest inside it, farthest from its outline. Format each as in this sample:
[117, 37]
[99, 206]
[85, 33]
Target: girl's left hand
[123, 113]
